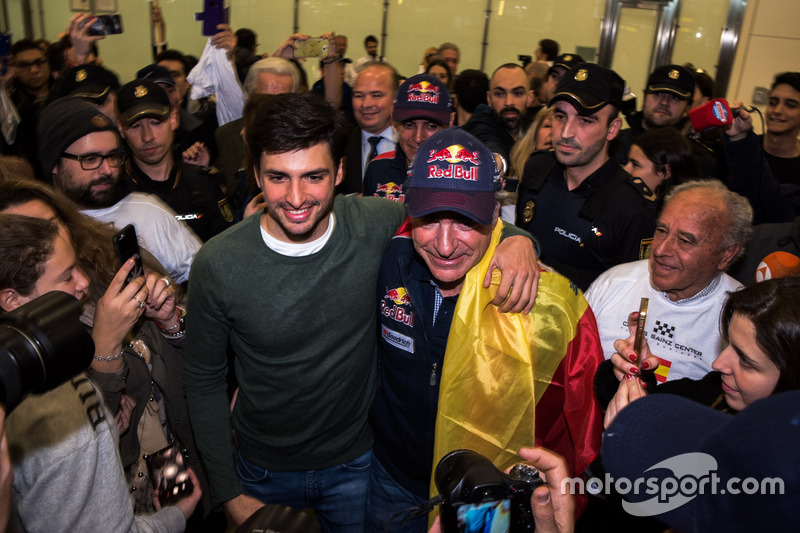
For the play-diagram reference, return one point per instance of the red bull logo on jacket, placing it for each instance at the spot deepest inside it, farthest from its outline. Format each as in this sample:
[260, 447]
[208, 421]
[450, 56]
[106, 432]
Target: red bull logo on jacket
[391, 190]
[400, 298]
[424, 91]
[457, 155]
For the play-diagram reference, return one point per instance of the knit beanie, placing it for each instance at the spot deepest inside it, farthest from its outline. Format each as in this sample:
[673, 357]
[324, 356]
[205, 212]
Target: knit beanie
[62, 123]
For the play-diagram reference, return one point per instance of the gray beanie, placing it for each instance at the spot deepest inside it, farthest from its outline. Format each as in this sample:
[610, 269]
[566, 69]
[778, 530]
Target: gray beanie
[62, 123]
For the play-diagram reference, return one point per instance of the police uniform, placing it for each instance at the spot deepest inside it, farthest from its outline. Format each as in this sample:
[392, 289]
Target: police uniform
[193, 192]
[607, 220]
[386, 175]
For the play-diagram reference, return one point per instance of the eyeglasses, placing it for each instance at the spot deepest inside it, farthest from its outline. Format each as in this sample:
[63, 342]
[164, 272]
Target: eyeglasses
[26, 65]
[94, 161]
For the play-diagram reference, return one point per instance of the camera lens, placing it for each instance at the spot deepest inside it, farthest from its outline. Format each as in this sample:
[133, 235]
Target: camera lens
[42, 344]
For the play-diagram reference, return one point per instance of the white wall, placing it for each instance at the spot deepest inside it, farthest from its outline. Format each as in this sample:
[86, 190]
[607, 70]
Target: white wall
[770, 40]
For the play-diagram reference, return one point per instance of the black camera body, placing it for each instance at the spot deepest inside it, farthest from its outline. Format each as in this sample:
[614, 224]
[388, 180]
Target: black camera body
[477, 495]
[42, 345]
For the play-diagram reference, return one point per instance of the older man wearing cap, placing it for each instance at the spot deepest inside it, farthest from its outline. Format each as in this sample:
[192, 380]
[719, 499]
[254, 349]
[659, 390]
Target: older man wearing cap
[147, 122]
[587, 213]
[444, 384]
[81, 149]
[305, 362]
[421, 108]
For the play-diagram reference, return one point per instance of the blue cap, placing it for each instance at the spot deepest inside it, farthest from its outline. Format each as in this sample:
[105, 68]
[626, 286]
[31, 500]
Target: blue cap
[453, 171]
[672, 439]
[422, 96]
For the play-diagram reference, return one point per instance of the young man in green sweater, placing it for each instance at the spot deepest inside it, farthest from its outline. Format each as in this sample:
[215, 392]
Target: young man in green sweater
[292, 292]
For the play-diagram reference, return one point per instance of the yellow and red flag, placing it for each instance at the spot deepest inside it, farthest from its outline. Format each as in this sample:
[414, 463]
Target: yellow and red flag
[511, 380]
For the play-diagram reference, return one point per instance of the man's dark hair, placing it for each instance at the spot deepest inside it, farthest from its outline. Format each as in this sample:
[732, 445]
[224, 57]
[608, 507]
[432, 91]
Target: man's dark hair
[789, 78]
[246, 38]
[174, 55]
[471, 87]
[280, 123]
[370, 39]
[23, 45]
[549, 48]
[26, 245]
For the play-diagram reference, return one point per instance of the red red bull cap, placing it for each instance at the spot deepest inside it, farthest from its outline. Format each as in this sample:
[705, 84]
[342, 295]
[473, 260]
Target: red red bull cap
[453, 171]
[422, 96]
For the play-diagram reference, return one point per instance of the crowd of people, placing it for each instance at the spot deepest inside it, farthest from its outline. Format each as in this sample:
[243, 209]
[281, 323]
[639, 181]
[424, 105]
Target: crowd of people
[344, 281]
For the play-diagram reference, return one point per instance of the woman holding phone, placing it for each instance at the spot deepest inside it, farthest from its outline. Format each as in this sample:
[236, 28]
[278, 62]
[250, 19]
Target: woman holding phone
[137, 327]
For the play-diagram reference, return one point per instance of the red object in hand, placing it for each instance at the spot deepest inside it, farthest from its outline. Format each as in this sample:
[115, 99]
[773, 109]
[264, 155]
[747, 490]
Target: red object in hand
[713, 114]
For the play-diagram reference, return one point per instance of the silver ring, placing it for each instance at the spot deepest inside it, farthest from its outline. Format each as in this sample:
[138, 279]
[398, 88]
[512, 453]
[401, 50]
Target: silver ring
[141, 305]
[165, 280]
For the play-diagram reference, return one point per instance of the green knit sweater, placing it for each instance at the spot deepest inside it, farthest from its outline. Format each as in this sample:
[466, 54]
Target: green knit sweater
[303, 333]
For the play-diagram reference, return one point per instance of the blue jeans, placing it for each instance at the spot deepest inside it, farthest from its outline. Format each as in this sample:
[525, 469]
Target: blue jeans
[387, 497]
[338, 494]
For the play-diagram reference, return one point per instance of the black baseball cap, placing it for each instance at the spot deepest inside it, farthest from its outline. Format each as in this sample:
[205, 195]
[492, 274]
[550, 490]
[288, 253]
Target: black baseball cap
[90, 82]
[672, 79]
[565, 61]
[590, 87]
[140, 99]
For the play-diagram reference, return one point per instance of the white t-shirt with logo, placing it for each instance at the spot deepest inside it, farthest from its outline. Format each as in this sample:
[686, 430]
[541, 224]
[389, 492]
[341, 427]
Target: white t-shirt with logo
[685, 335]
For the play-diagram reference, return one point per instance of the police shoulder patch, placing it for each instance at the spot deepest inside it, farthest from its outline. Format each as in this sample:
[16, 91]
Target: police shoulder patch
[528, 211]
[225, 210]
[642, 188]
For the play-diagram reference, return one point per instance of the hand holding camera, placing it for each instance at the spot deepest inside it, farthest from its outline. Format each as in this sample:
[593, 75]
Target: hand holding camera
[476, 492]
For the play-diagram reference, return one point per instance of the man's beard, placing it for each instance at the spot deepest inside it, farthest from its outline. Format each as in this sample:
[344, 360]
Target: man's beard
[511, 122]
[82, 194]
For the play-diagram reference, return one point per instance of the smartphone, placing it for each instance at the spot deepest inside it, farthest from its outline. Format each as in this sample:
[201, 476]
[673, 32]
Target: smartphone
[126, 246]
[168, 475]
[106, 25]
[215, 12]
[640, 331]
[312, 48]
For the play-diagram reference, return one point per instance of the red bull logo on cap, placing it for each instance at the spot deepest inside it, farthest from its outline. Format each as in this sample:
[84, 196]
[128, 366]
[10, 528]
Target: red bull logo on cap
[457, 155]
[424, 91]
[400, 298]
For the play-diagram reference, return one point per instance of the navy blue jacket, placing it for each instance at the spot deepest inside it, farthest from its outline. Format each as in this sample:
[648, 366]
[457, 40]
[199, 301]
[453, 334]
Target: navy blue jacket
[410, 355]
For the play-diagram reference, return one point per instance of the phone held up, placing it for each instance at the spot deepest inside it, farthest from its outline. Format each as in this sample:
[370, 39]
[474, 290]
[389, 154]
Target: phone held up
[106, 25]
[126, 246]
[215, 12]
[315, 47]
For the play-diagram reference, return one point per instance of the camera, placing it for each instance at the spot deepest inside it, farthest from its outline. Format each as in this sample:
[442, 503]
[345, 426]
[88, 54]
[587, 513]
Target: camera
[42, 345]
[479, 497]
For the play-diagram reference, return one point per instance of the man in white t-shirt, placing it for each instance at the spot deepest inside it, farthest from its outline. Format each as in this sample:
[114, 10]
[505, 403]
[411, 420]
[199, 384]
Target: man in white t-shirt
[702, 229]
[80, 148]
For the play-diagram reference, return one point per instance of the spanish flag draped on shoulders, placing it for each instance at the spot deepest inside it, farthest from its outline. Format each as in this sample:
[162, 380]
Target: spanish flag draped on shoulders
[508, 377]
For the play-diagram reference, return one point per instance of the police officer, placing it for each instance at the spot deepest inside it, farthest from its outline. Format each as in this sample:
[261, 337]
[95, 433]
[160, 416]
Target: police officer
[587, 213]
[147, 122]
